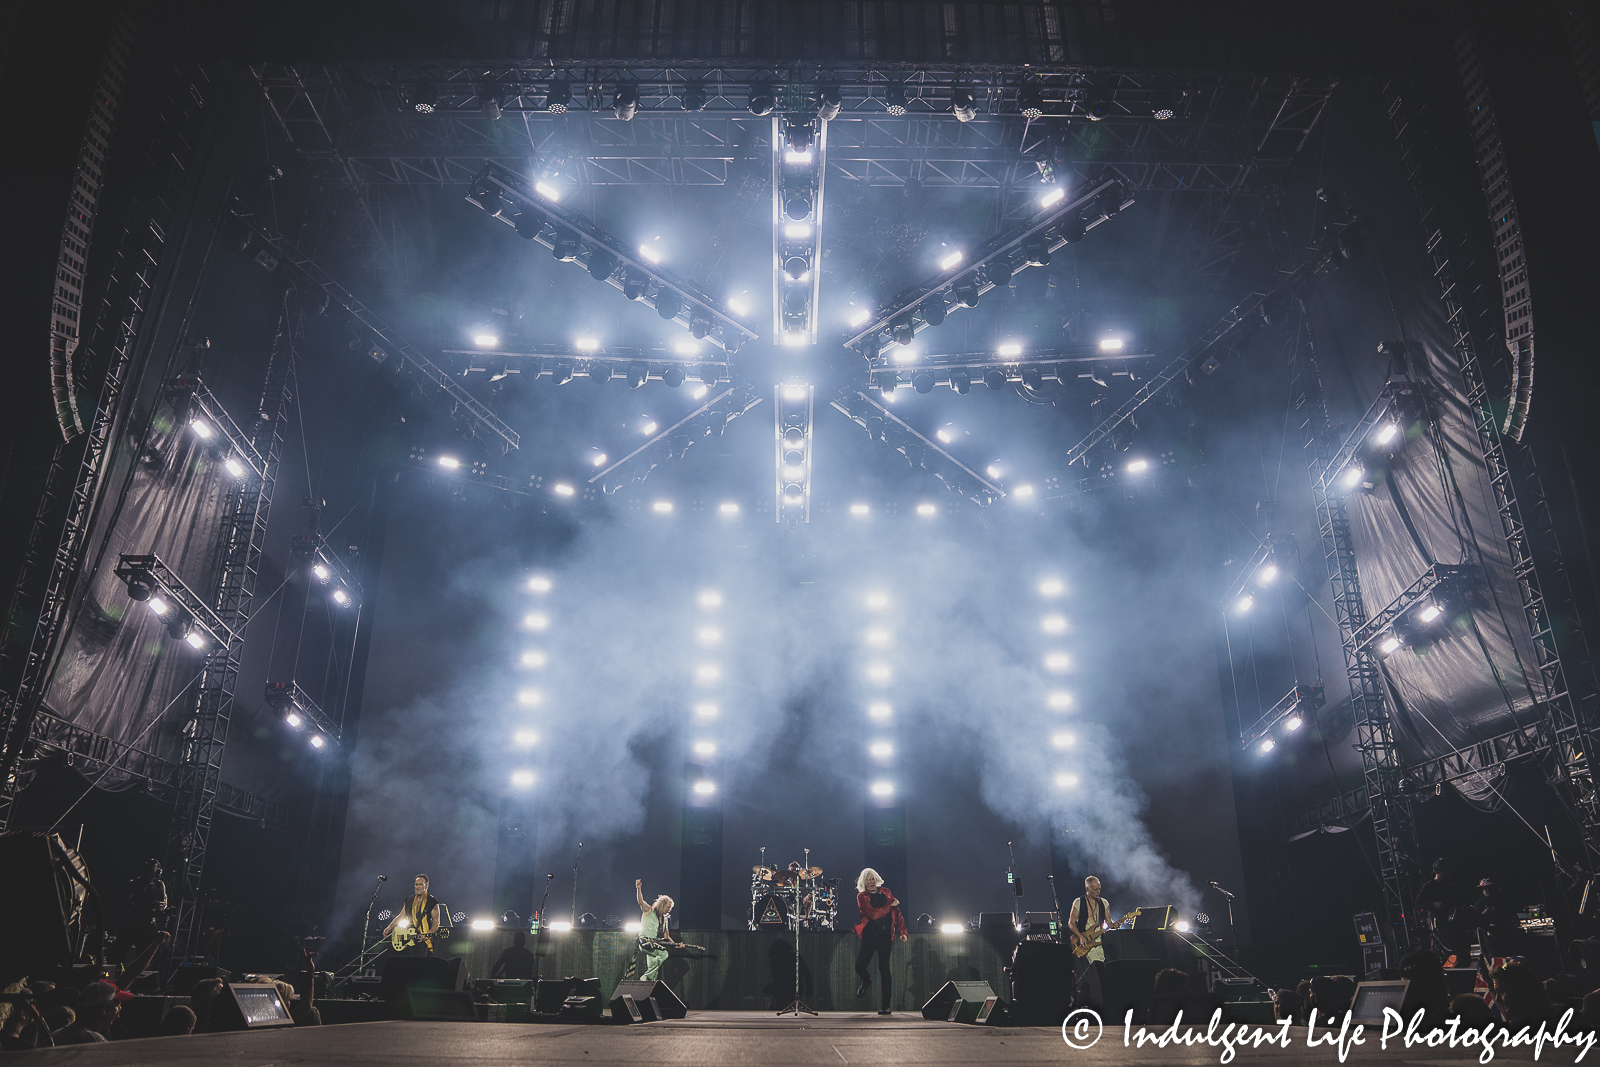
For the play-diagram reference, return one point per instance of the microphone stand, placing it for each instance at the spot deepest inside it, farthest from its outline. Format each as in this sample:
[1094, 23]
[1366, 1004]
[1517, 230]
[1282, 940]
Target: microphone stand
[799, 1004]
[539, 933]
[1016, 887]
[1233, 938]
[366, 923]
[1055, 898]
[575, 885]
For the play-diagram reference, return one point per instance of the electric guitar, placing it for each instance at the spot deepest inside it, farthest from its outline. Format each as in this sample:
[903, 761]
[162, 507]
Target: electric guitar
[662, 944]
[406, 936]
[1091, 937]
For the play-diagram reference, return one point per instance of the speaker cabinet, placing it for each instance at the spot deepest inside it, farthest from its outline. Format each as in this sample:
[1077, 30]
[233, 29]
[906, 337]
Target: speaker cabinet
[966, 1002]
[1041, 983]
[655, 1000]
[401, 974]
[1111, 988]
[442, 1005]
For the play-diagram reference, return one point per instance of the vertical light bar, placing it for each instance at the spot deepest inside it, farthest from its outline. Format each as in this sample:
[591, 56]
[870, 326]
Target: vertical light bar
[792, 446]
[797, 177]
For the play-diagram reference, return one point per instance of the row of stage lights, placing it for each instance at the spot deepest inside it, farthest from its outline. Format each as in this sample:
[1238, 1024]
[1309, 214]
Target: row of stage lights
[1053, 624]
[827, 99]
[537, 621]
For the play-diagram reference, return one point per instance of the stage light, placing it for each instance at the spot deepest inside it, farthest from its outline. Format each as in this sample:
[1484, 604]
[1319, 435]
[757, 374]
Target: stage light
[559, 97]
[1053, 197]
[905, 355]
[1063, 739]
[707, 673]
[952, 928]
[1385, 435]
[483, 924]
[793, 498]
[317, 740]
[586, 344]
[1066, 781]
[1292, 723]
[894, 99]
[632, 928]
[797, 230]
[598, 458]
[962, 104]
[859, 316]
[859, 509]
[710, 599]
[340, 596]
[322, 572]
[1353, 475]
[1389, 644]
[685, 347]
[1023, 492]
[1268, 573]
[522, 780]
[950, 259]
[202, 429]
[1244, 603]
[1053, 624]
[883, 789]
[879, 710]
[1059, 700]
[794, 392]
[449, 463]
[876, 636]
[830, 100]
[705, 748]
[1051, 587]
[533, 659]
[233, 466]
[158, 605]
[529, 698]
[1010, 348]
[881, 750]
[196, 639]
[525, 738]
[926, 510]
[546, 190]
[1057, 661]
[795, 338]
[625, 102]
[737, 306]
[486, 340]
[661, 507]
[1111, 344]
[563, 489]
[1182, 926]
[1030, 101]
[537, 621]
[1267, 745]
[560, 926]
[705, 787]
[762, 100]
[880, 673]
[709, 635]
[705, 710]
[694, 95]
[700, 391]
[1427, 614]
[877, 601]
[1138, 466]
[728, 509]
[293, 719]
[650, 253]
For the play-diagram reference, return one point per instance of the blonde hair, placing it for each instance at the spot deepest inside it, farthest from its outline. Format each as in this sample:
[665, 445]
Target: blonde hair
[662, 899]
[861, 879]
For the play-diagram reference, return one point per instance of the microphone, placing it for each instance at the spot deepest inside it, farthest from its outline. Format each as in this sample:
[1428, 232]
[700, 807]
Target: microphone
[383, 877]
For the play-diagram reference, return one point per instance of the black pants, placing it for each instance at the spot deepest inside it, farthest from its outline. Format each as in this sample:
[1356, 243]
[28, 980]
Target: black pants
[885, 973]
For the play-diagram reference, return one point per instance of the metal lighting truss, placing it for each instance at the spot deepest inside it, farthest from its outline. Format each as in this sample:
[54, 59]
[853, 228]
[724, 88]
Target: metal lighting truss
[708, 420]
[47, 581]
[1239, 587]
[961, 370]
[411, 362]
[1298, 702]
[1439, 574]
[574, 239]
[160, 579]
[218, 419]
[289, 697]
[799, 164]
[1570, 716]
[1393, 822]
[1233, 327]
[565, 363]
[883, 425]
[792, 418]
[991, 263]
[1399, 397]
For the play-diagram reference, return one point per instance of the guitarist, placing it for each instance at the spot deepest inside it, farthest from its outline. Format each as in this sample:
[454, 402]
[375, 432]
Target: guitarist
[653, 924]
[424, 914]
[1089, 912]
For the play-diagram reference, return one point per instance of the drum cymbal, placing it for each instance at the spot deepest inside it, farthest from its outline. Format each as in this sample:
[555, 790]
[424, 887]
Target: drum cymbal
[758, 869]
[811, 872]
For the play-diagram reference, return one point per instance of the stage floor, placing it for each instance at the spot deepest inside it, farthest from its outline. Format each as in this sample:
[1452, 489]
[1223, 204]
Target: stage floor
[707, 1039]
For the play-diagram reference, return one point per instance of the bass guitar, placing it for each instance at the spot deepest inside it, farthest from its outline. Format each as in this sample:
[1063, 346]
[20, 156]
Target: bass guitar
[406, 936]
[1091, 937]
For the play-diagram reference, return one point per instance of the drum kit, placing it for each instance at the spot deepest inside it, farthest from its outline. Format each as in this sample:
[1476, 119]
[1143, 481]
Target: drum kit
[795, 899]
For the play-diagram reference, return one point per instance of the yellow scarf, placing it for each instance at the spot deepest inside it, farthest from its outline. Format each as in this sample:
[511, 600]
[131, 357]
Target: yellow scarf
[421, 915]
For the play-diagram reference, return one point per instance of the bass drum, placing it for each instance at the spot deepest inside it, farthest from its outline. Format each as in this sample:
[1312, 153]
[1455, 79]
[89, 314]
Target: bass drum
[770, 912]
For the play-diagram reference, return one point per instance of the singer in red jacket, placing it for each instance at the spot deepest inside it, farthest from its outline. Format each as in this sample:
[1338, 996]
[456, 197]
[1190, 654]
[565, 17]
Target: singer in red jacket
[881, 925]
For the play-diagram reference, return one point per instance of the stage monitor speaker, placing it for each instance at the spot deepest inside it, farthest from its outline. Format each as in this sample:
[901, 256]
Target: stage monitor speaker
[966, 1002]
[1372, 997]
[441, 1005]
[404, 973]
[1041, 983]
[655, 1000]
[1111, 988]
[249, 1006]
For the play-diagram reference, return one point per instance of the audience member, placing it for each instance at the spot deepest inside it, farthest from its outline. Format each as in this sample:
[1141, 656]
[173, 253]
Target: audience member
[59, 1017]
[202, 1000]
[1555, 990]
[1589, 1017]
[1170, 980]
[1329, 999]
[517, 962]
[1471, 1010]
[1288, 1005]
[23, 1027]
[1519, 996]
[1344, 988]
[178, 1021]
[1428, 990]
[102, 1003]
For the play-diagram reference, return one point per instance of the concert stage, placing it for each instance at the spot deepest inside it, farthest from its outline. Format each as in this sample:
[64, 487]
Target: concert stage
[755, 969]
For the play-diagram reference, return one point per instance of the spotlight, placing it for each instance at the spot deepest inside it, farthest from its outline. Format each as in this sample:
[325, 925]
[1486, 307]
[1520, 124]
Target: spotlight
[709, 635]
[449, 463]
[962, 104]
[1097, 106]
[632, 928]
[530, 698]
[705, 748]
[951, 259]
[483, 924]
[1427, 614]
[737, 306]
[233, 466]
[1023, 492]
[881, 750]
[1111, 344]
[880, 673]
[546, 190]
[1051, 587]
[710, 599]
[1389, 644]
[1163, 106]
[700, 391]
[563, 489]
[877, 601]
[879, 710]
[340, 596]
[1057, 662]
[533, 659]
[1066, 781]
[922, 382]
[859, 316]
[522, 780]
[797, 230]
[638, 374]
[1060, 700]
[883, 789]
[762, 100]
[705, 787]
[1387, 434]
[537, 621]
[293, 719]
[661, 507]
[1182, 926]
[995, 379]
[894, 99]
[729, 508]
[602, 265]
[322, 572]
[634, 286]
[1052, 197]
[1135, 466]
[1244, 603]
[141, 587]
[651, 253]
[559, 98]
[707, 673]
[829, 102]
[966, 294]
[158, 605]
[1053, 624]
[1030, 101]
[202, 429]
[705, 710]
[694, 96]
[560, 926]
[196, 639]
[952, 928]
[1293, 722]
[1267, 745]
[317, 740]
[491, 101]
[625, 102]
[961, 381]
[1009, 349]
[859, 509]
[927, 509]
[598, 459]
[647, 429]
[1063, 740]
[1353, 475]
